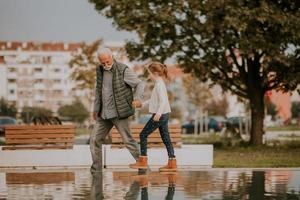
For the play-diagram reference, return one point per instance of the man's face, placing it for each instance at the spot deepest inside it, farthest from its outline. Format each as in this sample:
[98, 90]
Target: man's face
[106, 60]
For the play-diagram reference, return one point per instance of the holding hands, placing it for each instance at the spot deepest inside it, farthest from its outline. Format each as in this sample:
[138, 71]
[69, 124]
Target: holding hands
[137, 104]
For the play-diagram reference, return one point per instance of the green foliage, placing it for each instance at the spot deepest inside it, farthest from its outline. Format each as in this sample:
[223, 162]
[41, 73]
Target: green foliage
[28, 113]
[83, 65]
[75, 112]
[247, 47]
[218, 107]
[203, 35]
[199, 93]
[7, 109]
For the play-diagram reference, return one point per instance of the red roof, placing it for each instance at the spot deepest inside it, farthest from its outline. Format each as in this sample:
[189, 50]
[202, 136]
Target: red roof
[38, 46]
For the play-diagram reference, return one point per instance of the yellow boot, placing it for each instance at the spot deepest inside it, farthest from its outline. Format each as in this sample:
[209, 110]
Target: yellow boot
[170, 167]
[142, 163]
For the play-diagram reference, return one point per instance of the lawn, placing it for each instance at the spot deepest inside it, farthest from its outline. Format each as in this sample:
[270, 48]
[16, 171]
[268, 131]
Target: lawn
[281, 155]
[284, 128]
[257, 157]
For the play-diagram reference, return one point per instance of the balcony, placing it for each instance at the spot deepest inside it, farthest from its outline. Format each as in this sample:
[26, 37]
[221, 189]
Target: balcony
[12, 97]
[12, 75]
[39, 75]
[39, 86]
[39, 98]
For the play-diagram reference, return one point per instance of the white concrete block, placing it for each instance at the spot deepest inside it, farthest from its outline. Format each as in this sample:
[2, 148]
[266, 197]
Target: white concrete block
[78, 156]
[188, 156]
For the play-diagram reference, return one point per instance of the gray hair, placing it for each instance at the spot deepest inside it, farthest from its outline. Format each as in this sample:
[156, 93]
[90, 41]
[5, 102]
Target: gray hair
[104, 50]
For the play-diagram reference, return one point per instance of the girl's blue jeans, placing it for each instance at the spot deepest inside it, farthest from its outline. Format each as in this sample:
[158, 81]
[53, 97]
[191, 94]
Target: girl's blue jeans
[150, 127]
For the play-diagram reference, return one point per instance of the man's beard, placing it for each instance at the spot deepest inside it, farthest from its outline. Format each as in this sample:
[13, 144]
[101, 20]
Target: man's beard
[108, 67]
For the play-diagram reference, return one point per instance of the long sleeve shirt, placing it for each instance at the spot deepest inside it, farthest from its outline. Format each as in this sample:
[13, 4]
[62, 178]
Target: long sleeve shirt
[158, 102]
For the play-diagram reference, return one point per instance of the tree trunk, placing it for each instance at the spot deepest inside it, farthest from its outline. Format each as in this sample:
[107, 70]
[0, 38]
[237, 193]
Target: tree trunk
[257, 118]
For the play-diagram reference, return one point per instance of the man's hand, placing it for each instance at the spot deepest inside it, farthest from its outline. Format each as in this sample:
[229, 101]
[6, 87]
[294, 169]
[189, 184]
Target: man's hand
[156, 117]
[137, 104]
[94, 115]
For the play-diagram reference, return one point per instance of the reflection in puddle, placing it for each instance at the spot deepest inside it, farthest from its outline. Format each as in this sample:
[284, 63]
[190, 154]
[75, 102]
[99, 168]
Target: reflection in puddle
[210, 184]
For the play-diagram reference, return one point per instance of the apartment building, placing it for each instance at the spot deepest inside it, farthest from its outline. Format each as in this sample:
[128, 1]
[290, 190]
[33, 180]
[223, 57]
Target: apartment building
[38, 74]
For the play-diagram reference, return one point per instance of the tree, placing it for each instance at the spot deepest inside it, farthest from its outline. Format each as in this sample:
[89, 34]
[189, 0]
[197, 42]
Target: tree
[75, 112]
[28, 113]
[198, 93]
[247, 47]
[83, 65]
[7, 109]
[218, 107]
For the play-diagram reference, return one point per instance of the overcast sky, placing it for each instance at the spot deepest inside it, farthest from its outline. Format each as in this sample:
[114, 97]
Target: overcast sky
[55, 20]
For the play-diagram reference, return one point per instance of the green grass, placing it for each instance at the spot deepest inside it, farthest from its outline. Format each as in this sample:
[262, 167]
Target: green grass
[257, 157]
[284, 128]
[280, 154]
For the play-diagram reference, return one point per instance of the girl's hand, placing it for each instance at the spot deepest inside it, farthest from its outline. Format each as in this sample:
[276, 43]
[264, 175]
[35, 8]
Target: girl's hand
[156, 117]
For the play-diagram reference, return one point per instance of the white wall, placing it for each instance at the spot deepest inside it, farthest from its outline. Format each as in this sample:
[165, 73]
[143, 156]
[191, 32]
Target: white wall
[3, 81]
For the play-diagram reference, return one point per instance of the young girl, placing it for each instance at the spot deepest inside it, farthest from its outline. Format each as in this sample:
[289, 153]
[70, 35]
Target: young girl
[159, 107]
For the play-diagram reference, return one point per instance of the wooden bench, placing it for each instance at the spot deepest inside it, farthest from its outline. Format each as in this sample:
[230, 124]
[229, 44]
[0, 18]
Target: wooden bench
[154, 139]
[39, 137]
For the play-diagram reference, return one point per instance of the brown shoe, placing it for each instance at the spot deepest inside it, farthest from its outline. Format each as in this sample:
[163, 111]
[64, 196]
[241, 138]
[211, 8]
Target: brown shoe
[170, 167]
[142, 163]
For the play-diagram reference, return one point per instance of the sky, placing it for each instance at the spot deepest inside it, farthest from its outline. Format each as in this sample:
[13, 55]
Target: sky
[56, 21]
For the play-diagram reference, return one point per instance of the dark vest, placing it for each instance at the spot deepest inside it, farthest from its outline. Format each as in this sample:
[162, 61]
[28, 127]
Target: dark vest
[123, 95]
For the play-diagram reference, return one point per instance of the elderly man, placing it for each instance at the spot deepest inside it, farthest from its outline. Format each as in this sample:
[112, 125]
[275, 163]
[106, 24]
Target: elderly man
[114, 103]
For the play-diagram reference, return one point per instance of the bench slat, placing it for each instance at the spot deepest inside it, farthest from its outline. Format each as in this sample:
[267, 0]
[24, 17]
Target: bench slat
[153, 135]
[36, 147]
[33, 127]
[157, 145]
[155, 132]
[141, 126]
[23, 132]
[137, 130]
[119, 140]
[38, 141]
[37, 135]
[154, 139]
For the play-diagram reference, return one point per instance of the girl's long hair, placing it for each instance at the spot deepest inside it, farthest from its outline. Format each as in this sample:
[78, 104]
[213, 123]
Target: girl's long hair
[160, 69]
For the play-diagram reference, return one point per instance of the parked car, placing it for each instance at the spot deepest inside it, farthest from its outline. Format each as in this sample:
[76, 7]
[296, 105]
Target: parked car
[6, 121]
[234, 122]
[214, 124]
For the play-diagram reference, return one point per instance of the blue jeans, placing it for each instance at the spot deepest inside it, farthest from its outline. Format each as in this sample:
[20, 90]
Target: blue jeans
[151, 126]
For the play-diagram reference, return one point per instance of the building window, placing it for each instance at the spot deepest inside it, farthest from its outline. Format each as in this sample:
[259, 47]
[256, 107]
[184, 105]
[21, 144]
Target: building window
[12, 80]
[38, 69]
[57, 70]
[38, 81]
[56, 80]
[11, 91]
[12, 69]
